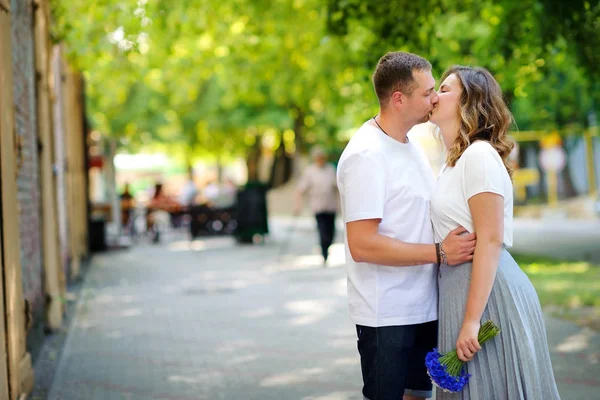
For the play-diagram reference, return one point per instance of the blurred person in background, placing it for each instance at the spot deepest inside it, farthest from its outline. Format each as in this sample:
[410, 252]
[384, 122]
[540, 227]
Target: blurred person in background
[190, 191]
[127, 207]
[228, 193]
[160, 208]
[211, 192]
[318, 183]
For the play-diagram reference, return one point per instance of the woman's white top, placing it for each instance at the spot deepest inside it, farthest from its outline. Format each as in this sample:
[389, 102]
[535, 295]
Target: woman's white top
[480, 169]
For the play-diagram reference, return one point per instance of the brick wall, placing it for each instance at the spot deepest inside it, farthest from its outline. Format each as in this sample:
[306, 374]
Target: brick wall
[29, 190]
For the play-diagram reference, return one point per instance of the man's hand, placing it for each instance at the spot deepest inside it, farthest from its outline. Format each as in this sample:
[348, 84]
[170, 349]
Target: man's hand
[459, 248]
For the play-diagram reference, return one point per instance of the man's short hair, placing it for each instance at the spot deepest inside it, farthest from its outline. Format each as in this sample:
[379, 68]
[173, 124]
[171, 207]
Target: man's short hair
[394, 72]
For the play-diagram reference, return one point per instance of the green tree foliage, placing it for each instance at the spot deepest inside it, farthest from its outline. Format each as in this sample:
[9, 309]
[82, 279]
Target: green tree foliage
[215, 78]
[543, 53]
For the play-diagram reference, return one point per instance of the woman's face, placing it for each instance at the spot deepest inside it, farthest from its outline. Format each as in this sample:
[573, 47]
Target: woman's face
[447, 111]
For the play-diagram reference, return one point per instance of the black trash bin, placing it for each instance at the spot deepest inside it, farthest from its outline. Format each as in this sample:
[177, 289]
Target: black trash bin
[97, 235]
[251, 212]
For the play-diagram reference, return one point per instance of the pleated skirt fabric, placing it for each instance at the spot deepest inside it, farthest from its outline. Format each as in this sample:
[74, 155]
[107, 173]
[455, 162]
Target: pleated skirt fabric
[515, 365]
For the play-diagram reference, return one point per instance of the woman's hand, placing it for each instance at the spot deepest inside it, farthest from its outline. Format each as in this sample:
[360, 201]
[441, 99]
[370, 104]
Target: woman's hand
[467, 344]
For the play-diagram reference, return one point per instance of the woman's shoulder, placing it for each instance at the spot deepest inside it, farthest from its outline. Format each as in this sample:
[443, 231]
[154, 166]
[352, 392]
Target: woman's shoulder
[481, 153]
[481, 149]
[480, 146]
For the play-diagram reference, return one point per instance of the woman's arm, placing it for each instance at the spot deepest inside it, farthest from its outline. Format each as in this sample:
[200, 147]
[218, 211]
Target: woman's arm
[487, 210]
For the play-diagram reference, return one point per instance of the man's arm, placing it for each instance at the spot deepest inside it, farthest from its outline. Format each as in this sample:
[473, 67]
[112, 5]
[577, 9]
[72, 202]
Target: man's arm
[300, 191]
[366, 244]
[298, 202]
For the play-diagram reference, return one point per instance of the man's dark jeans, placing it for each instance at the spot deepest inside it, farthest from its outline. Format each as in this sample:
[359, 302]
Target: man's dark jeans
[392, 360]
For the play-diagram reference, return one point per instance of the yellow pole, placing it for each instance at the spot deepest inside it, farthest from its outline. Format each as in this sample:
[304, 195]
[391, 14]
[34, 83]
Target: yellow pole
[589, 146]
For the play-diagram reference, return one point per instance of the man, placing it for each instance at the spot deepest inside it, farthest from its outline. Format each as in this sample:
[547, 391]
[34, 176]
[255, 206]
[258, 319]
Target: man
[385, 185]
[319, 182]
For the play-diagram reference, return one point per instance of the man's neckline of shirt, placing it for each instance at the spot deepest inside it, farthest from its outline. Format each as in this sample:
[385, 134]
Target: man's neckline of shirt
[396, 143]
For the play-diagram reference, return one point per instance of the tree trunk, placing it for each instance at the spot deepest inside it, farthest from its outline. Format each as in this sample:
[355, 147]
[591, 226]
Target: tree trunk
[299, 133]
[281, 170]
[253, 159]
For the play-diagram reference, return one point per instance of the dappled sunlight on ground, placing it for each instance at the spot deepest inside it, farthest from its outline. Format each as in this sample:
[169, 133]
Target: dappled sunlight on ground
[234, 346]
[105, 298]
[341, 287]
[337, 255]
[576, 343]
[309, 311]
[131, 312]
[259, 313]
[292, 377]
[346, 361]
[342, 343]
[242, 359]
[114, 335]
[200, 245]
[212, 378]
[294, 262]
[333, 396]
[208, 282]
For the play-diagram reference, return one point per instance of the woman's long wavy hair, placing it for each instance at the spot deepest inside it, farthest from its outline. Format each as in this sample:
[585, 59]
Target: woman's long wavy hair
[483, 112]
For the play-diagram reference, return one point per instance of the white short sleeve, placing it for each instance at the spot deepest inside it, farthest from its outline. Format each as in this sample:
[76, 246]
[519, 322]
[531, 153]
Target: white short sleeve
[363, 189]
[484, 170]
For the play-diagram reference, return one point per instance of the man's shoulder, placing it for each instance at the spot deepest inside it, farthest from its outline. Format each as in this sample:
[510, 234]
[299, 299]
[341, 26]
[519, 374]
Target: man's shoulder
[363, 143]
[361, 154]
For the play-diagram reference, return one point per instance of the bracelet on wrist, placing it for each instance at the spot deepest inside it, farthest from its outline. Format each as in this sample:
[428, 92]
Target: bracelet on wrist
[437, 253]
[443, 257]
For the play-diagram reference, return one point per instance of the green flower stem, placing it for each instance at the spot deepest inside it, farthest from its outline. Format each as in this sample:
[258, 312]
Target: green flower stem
[453, 364]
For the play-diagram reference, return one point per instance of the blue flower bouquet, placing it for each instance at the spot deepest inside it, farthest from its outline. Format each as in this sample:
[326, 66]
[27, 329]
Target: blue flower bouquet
[447, 371]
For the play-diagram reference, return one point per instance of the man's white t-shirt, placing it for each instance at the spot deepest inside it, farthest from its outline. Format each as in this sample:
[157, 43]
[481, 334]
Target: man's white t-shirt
[479, 169]
[381, 178]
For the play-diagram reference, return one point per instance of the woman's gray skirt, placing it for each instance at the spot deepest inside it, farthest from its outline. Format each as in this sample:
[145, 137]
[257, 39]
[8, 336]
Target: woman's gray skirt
[515, 364]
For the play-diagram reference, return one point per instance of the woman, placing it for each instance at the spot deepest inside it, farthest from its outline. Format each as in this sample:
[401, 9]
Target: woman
[474, 190]
[160, 208]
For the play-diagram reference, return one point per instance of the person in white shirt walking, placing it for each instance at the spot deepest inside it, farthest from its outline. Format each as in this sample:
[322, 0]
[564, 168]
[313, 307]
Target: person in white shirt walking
[319, 183]
[385, 185]
[189, 191]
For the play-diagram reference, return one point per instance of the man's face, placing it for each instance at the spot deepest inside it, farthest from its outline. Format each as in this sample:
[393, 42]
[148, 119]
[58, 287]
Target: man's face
[420, 103]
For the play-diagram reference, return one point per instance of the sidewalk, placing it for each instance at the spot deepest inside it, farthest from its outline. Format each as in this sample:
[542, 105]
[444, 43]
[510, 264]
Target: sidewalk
[560, 238]
[214, 320]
